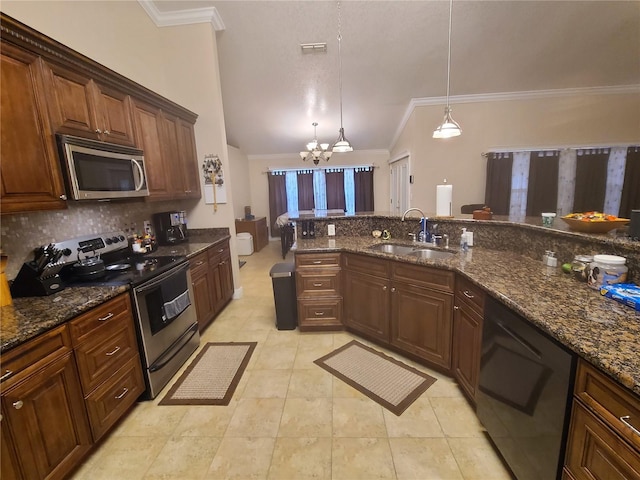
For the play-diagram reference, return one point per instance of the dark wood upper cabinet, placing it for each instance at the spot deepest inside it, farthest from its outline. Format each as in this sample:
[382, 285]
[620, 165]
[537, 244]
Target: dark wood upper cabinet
[190, 168]
[30, 171]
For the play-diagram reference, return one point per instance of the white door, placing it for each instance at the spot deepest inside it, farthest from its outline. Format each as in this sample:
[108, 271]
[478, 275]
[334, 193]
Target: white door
[399, 184]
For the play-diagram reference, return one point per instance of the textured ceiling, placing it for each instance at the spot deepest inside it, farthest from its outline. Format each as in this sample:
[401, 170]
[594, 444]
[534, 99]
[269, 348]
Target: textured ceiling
[393, 51]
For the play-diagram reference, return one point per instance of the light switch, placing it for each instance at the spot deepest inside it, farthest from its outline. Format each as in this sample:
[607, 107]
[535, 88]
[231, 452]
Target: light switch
[331, 230]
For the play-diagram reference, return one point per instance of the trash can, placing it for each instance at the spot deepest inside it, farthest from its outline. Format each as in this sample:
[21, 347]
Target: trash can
[284, 294]
[244, 241]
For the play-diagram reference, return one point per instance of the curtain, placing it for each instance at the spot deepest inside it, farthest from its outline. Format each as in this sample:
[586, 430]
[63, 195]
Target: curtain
[498, 187]
[519, 185]
[305, 190]
[363, 180]
[292, 191]
[335, 189]
[349, 190]
[319, 190]
[630, 199]
[566, 180]
[277, 199]
[591, 180]
[542, 195]
[615, 179]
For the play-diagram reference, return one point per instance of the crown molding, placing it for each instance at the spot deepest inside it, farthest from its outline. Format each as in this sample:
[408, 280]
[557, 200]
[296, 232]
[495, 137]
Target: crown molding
[508, 96]
[183, 17]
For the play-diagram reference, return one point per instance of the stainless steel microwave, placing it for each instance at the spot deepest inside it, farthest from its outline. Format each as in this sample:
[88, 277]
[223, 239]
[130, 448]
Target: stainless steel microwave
[98, 170]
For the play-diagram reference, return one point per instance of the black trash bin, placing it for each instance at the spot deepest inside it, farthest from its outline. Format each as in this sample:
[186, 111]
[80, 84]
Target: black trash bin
[284, 295]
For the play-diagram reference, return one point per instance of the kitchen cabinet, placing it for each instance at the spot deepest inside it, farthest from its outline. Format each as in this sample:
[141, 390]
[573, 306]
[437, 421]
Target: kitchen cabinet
[404, 305]
[81, 106]
[212, 282]
[258, 230]
[170, 157]
[41, 394]
[30, 170]
[604, 438]
[468, 314]
[108, 361]
[319, 292]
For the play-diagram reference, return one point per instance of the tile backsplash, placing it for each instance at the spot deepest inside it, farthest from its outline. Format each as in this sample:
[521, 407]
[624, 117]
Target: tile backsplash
[21, 233]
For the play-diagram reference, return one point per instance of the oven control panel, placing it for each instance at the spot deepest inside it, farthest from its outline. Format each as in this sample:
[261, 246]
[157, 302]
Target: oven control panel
[91, 246]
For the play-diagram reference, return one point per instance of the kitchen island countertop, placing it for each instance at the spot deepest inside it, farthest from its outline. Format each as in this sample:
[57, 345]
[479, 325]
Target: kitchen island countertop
[602, 331]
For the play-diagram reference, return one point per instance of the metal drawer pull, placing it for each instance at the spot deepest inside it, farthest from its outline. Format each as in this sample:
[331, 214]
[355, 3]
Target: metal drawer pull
[393, 289]
[199, 263]
[384, 288]
[115, 350]
[7, 374]
[106, 317]
[319, 314]
[18, 405]
[317, 262]
[468, 294]
[125, 391]
[625, 421]
[317, 284]
[221, 250]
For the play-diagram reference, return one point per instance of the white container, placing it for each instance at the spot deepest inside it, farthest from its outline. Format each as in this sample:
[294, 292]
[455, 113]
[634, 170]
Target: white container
[607, 270]
[244, 241]
[547, 219]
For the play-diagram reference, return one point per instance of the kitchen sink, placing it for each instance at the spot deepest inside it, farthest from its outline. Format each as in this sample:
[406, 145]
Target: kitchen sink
[392, 248]
[430, 254]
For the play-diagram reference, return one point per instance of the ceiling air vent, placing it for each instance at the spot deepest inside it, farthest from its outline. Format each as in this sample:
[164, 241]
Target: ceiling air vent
[313, 47]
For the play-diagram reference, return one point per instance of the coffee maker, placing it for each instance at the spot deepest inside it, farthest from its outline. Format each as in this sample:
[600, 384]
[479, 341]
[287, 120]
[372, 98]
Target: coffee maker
[170, 227]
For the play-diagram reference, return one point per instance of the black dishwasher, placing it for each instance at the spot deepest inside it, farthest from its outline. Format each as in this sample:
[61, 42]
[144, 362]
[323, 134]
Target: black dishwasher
[524, 394]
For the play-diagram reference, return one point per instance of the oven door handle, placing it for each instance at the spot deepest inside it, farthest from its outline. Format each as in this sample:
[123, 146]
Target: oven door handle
[151, 284]
[175, 348]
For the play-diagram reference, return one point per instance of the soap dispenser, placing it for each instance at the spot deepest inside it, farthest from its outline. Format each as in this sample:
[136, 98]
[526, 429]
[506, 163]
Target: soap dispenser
[463, 240]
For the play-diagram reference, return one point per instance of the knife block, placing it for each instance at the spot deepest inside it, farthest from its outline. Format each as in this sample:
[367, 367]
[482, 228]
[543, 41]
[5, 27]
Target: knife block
[30, 283]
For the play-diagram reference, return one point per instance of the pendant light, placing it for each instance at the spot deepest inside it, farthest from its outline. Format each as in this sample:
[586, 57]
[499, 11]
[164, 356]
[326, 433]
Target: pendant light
[449, 128]
[342, 144]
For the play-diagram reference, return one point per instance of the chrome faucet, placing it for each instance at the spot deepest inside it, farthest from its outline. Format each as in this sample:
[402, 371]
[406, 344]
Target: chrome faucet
[423, 221]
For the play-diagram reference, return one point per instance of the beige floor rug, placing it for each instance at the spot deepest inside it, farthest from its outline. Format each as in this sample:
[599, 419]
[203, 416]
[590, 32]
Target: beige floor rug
[213, 375]
[385, 380]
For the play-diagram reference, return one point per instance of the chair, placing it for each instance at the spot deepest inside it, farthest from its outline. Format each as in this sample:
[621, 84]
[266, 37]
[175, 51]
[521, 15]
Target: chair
[471, 207]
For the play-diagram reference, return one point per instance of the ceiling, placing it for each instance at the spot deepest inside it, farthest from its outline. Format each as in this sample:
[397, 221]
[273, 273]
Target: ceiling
[395, 51]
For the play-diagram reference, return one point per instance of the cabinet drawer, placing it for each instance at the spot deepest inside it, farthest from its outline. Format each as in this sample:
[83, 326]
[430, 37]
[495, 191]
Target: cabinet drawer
[610, 401]
[33, 354]
[308, 260]
[320, 314]
[198, 263]
[217, 252]
[100, 357]
[109, 312]
[366, 264]
[470, 293]
[114, 397]
[596, 453]
[423, 276]
[323, 283]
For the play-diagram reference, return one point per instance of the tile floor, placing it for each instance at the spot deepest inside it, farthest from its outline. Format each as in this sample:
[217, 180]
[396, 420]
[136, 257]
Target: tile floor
[289, 419]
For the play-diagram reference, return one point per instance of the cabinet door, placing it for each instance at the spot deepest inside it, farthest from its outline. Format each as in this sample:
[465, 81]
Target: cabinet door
[421, 322]
[226, 278]
[115, 118]
[467, 340]
[30, 170]
[171, 155]
[9, 469]
[366, 304]
[47, 419]
[148, 127]
[202, 284]
[189, 159]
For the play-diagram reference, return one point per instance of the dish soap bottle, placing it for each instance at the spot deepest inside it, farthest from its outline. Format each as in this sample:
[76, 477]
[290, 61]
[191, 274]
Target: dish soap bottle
[464, 246]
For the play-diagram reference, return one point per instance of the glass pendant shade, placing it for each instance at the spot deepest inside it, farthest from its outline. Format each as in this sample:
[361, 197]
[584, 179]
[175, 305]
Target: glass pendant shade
[342, 145]
[449, 127]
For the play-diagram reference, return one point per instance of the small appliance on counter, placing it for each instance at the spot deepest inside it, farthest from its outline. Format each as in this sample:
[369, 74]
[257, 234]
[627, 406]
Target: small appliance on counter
[40, 276]
[634, 227]
[170, 227]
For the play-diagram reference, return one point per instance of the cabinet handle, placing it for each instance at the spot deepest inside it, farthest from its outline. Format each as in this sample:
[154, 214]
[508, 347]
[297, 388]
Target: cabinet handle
[222, 263]
[18, 405]
[625, 420]
[468, 294]
[6, 375]
[317, 262]
[115, 350]
[317, 284]
[106, 317]
[98, 131]
[124, 392]
[199, 263]
[107, 132]
[393, 289]
[63, 197]
[221, 250]
[319, 314]
[456, 307]
[384, 288]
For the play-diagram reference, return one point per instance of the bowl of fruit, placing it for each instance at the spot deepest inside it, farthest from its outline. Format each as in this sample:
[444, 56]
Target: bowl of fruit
[593, 222]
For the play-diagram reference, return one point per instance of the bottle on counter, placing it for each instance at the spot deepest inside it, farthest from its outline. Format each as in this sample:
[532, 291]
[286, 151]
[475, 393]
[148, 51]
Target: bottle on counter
[464, 246]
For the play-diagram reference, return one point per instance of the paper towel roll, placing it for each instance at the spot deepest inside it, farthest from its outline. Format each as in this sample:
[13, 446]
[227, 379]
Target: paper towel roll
[444, 198]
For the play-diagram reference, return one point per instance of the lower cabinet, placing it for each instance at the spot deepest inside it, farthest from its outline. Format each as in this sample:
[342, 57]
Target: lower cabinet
[212, 282]
[405, 305]
[468, 314]
[50, 386]
[604, 438]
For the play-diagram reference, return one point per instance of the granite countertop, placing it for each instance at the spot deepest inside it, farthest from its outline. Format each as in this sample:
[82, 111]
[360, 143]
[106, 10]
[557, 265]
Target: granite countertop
[600, 330]
[31, 316]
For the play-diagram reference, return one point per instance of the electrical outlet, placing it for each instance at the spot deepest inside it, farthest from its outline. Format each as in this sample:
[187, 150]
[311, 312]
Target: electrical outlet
[147, 227]
[331, 230]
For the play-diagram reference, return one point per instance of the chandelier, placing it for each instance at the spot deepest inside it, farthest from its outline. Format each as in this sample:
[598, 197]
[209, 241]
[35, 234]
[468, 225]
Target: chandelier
[449, 128]
[316, 151]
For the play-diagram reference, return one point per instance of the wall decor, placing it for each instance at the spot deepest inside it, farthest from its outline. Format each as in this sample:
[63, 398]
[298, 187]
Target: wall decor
[215, 190]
